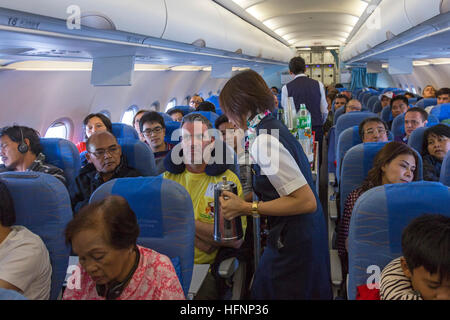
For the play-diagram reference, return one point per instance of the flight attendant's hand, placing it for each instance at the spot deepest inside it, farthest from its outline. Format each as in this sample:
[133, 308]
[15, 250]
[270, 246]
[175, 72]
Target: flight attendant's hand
[231, 205]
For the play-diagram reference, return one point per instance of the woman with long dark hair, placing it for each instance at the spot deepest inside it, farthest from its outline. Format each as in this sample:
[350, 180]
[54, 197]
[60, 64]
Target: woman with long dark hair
[394, 163]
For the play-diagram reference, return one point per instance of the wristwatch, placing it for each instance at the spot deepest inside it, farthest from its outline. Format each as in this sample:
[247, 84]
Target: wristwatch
[255, 211]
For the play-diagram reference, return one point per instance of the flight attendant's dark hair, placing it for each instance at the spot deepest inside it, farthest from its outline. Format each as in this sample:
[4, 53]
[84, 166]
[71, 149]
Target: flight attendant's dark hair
[245, 93]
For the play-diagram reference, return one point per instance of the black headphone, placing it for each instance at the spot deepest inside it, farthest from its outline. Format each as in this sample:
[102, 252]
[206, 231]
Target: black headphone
[115, 288]
[23, 147]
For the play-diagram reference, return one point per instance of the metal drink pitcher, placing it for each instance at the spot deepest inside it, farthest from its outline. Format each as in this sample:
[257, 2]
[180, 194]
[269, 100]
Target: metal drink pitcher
[225, 230]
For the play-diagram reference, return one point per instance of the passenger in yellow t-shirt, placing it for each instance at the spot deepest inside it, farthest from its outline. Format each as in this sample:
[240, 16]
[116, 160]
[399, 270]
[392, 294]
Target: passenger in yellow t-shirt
[196, 143]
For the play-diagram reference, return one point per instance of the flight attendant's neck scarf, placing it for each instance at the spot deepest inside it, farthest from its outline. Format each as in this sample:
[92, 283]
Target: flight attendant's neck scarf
[251, 125]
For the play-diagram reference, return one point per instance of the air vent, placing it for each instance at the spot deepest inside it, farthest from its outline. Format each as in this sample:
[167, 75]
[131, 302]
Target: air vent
[97, 21]
[238, 51]
[390, 35]
[199, 43]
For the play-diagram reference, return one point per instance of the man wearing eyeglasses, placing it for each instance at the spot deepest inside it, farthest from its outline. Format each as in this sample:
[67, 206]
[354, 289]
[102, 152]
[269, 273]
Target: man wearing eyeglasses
[105, 162]
[154, 129]
[373, 130]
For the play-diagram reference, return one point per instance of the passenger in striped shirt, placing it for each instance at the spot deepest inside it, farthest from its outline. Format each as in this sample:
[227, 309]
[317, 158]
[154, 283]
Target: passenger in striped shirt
[423, 272]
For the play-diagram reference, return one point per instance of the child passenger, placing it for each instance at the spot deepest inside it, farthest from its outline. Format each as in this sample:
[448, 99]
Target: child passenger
[423, 272]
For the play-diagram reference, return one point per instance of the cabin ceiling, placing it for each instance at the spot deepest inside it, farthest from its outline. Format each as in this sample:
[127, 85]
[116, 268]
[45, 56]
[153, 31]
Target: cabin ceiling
[307, 23]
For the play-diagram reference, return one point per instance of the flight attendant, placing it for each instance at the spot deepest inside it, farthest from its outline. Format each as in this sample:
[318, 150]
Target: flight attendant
[295, 263]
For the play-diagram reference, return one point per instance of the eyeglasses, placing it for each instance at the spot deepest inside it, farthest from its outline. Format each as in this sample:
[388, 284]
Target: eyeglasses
[372, 131]
[148, 132]
[100, 153]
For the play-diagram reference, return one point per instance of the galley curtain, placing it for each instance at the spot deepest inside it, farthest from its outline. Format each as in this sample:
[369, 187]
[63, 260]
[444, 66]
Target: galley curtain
[362, 79]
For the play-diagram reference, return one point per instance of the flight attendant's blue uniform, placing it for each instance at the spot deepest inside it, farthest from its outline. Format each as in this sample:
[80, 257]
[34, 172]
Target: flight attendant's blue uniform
[295, 263]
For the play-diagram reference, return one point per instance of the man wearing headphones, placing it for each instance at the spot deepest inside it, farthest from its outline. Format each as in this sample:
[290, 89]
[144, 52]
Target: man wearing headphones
[21, 150]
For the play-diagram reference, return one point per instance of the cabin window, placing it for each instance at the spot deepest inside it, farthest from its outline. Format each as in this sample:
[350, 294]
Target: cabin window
[187, 100]
[414, 90]
[172, 103]
[128, 115]
[210, 94]
[57, 130]
[106, 113]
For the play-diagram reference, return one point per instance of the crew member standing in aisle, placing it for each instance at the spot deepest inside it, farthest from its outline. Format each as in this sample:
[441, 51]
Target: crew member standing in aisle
[311, 93]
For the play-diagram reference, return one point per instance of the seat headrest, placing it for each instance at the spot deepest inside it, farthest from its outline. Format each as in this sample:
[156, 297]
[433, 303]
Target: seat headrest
[63, 154]
[165, 216]
[42, 205]
[441, 112]
[138, 156]
[165, 116]
[376, 225]
[124, 131]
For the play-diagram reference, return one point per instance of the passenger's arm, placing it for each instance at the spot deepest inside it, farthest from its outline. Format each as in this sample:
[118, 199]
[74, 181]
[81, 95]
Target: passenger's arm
[6, 285]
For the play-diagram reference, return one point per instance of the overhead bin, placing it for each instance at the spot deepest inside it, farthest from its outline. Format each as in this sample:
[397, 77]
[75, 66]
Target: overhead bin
[200, 22]
[391, 18]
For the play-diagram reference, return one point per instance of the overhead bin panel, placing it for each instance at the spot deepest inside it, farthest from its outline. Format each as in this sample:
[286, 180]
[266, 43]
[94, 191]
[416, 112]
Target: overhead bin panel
[137, 16]
[190, 21]
[391, 18]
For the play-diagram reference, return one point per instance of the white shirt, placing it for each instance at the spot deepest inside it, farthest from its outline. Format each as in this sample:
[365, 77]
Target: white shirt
[25, 263]
[277, 164]
[323, 98]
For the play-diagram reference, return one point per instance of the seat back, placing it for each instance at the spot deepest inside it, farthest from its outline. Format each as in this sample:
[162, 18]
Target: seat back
[423, 103]
[356, 164]
[165, 216]
[42, 205]
[442, 111]
[339, 112]
[416, 139]
[371, 102]
[378, 219]
[445, 170]
[139, 156]
[377, 107]
[165, 116]
[412, 101]
[124, 131]
[170, 128]
[386, 114]
[398, 125]
[63, 154]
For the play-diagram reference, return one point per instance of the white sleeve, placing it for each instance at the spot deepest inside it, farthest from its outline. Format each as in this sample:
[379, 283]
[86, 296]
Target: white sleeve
[323, 102]
[277, 164]
[284, 96]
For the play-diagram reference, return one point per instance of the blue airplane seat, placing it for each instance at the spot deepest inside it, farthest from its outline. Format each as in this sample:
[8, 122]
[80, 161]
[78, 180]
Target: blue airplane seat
[165, 216]
[211, 116]
[331, 149]
[356, 164]
[138, 156]
[415, 141]
[184, 109]
[124, 131]
[171, 137]
[165, 116]
[339, 112]
[378, 219]
[371, 102]
[423, 103]
[42, 205]
[348, 139]
[377, 107]
[445, 170]
[412, 101]
[398, 125]
[441, 112]
[63, 154]
[386, 114]
[214, 99]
